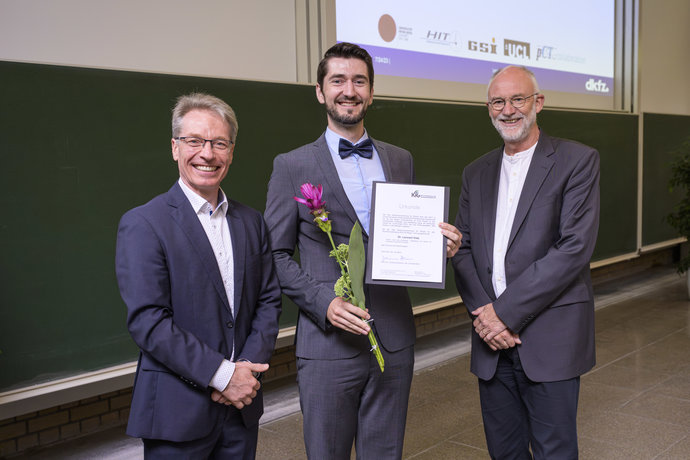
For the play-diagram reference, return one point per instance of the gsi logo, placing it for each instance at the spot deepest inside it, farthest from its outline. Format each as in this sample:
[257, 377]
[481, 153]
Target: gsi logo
[596, 86]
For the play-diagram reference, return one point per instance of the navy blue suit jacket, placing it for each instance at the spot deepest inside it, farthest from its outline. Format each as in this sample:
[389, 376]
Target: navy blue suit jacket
[178, 312]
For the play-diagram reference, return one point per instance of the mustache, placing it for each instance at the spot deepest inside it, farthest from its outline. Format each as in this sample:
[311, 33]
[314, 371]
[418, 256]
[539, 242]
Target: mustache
[349, 99]
[517, 116]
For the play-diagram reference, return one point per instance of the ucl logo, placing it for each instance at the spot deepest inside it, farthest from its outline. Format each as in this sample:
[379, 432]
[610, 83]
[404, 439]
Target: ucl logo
[516, 49]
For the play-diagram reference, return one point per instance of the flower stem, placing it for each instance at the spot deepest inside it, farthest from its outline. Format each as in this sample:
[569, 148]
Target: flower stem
[375, 348]
[340, 262]
[353, 300]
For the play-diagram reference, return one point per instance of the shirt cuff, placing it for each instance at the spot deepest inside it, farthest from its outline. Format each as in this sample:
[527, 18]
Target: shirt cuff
[223, 375]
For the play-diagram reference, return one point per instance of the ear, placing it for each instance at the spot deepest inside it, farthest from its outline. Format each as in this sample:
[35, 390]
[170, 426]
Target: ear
[539, 102]
[175, 150]
[371, 95]
[319, 94]
[230, 153]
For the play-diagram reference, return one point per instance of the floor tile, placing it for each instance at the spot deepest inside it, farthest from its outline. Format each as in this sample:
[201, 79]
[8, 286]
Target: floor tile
[677, 451]
[647, 436]
[624, 377]
[448, 450]
[659, 407]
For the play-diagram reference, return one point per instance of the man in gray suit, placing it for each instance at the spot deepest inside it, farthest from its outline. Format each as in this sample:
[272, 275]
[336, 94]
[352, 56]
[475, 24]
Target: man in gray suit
[343, 394]
[529, 213]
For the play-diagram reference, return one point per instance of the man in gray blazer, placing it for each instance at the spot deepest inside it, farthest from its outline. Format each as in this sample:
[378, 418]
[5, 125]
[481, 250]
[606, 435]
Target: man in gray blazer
[343, 394]
[529, 214]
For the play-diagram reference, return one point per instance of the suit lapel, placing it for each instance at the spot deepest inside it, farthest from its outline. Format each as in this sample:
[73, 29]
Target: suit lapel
[489, 198]
[183, 214]
[331, 180]
[539, 169]
[237, 236]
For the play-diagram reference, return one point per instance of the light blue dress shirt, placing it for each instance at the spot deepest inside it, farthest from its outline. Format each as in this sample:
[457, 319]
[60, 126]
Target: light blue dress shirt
[357, 175]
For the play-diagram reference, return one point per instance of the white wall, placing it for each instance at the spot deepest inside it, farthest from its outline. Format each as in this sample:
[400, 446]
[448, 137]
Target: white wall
[664, 56]
[259, 40]
[221, 38]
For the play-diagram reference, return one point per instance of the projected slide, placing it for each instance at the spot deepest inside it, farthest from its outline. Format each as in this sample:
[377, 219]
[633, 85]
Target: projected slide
[568, 45]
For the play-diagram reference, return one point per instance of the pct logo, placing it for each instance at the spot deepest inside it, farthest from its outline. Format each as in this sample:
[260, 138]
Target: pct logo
[544, 52]
[596, 86]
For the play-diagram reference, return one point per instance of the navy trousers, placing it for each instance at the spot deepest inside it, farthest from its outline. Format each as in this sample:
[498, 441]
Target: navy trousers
[520, 414]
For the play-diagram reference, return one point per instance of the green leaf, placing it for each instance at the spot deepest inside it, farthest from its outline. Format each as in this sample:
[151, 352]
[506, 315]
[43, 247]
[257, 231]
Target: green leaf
[355, 263]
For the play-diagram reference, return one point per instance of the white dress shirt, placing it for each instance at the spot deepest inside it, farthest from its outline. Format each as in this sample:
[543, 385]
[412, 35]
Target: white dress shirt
[217, 230]
[357, 176]
[513, 173]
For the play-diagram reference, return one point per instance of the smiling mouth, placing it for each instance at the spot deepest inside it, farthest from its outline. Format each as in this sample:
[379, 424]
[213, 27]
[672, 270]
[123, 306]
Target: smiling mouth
[206, 168]
[510, 121]
[349, 104]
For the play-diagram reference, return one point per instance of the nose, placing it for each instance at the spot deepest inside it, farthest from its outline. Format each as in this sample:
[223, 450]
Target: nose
[508, 108]
[349, 88]
[206, 150]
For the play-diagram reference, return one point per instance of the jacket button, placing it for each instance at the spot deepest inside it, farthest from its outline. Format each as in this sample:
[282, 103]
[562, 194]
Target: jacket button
[229, 324]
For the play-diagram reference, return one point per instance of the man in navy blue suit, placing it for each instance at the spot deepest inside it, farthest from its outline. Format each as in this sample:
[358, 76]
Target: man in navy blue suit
[203, 301]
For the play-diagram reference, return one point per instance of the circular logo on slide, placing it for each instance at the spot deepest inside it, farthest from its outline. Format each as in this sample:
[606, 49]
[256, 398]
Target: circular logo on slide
[387, 27]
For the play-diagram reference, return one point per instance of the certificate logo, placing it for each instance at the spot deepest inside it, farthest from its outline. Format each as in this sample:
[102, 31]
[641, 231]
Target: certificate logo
[387, 28]
[516, 49]
[416, 194]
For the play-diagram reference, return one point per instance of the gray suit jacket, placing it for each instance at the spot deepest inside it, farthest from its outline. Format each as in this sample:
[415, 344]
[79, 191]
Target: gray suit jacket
[548, 299]
[309, 282]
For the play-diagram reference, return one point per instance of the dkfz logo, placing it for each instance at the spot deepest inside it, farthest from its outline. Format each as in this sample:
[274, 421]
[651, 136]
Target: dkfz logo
[596, 86]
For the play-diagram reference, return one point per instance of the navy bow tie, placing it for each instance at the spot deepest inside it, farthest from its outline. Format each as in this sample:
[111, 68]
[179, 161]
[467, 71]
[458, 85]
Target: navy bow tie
[364, 149]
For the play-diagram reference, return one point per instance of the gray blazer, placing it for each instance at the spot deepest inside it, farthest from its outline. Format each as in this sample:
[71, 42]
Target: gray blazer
[548, 299]
[309, 282]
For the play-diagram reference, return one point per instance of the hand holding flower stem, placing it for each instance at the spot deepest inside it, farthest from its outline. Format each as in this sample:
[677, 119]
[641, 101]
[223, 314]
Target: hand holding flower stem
[350, 285]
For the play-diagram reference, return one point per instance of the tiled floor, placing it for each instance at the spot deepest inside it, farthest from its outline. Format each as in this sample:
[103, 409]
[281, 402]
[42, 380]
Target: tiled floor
[635, 404]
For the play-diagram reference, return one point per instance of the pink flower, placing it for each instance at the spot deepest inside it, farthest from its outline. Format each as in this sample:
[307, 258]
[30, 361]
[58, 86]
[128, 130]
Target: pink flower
[317, 207]
[312, 198]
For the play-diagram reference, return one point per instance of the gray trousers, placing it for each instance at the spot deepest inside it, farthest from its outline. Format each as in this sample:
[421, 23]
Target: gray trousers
[346, 400]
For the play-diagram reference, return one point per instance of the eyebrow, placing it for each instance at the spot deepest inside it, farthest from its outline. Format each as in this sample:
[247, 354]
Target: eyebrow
[342, 75]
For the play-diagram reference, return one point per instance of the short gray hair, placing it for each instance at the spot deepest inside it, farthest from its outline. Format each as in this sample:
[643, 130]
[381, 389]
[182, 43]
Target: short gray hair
[202, 101]
[529, 73]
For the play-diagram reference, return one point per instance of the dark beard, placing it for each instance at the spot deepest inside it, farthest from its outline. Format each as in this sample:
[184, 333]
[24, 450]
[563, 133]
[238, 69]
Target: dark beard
[348, 119]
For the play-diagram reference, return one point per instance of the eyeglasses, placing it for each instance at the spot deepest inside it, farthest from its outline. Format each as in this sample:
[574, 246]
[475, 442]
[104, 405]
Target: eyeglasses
[198, 143]
[515, 101]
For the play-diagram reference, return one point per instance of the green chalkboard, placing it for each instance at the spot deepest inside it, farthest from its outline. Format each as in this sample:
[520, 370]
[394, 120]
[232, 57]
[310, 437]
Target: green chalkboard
[663, 135]
[81, 146]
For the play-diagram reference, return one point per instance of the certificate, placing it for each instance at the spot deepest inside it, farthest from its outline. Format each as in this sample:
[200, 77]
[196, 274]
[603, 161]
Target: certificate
[406, 246]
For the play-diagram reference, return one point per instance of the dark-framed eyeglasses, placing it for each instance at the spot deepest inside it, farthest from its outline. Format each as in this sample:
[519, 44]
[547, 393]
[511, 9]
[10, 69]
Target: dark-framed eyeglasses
[198, 143]
[516, 101]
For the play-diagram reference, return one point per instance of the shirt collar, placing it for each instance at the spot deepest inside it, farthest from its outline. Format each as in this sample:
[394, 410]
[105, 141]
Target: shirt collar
[200, 204]
[333, 139]
[519, 156]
